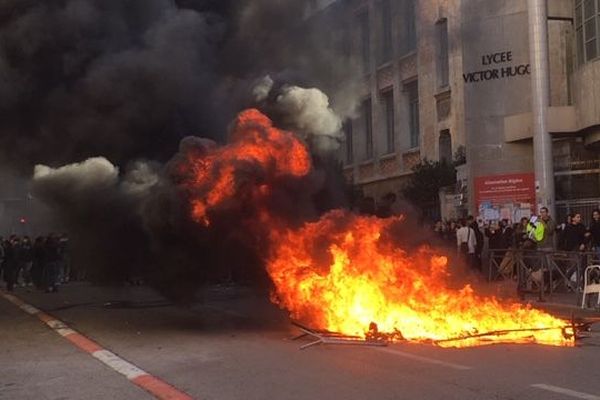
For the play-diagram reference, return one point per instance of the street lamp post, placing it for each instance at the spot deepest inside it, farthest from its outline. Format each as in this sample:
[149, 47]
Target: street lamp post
[540, 95]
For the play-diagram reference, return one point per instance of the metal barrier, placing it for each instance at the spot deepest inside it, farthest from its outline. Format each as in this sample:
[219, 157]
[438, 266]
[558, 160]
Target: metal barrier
[540, 271]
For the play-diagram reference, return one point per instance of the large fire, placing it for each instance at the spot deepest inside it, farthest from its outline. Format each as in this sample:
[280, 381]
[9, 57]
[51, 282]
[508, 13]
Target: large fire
[347, 273]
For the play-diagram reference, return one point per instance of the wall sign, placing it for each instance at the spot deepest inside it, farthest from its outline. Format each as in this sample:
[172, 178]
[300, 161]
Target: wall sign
[509, 196]
[495, 67]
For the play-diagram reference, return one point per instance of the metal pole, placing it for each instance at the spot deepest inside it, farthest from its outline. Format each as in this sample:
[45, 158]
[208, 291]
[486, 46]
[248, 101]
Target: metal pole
[540, 95]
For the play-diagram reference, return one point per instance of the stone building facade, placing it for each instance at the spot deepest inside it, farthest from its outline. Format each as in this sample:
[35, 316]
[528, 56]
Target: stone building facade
[439, 75]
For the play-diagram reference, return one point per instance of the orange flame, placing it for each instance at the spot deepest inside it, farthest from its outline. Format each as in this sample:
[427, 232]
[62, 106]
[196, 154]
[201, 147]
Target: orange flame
[344, 272]
[254, 142]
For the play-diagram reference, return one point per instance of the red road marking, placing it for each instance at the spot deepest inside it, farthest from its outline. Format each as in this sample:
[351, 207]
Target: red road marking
[45, 318]
[160, 389]
[153, 385]
[83, 343]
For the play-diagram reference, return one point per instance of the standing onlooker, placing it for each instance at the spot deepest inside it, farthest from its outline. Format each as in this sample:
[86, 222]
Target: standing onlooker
[52, 258]
[547, 242]
[478, 240]
[507, 264]
[521, 233]
[37, 270]
[466, 243]
[25, 258]
[595, 233]
[494, 235]
[10, 263]
[63, 267]
[574, 235]
[560, 231]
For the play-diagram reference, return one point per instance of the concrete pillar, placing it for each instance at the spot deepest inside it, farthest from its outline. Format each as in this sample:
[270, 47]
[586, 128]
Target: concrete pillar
[540, 95]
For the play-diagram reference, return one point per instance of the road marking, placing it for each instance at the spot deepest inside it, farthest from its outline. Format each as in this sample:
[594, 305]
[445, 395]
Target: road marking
[118, 364]
[153, 385]
[568, 392]
[425, 359]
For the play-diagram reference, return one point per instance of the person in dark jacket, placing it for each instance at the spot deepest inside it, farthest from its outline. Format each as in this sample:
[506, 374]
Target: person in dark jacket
[560, 232]
[10, 263]
[595, 233]
[574, 235]
[25, 259]
[494, 235]
[52, 259]
[472, 223]
[37, 269]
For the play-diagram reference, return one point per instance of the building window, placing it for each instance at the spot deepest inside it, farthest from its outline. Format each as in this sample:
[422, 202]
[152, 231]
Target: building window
[445, 142]
[412, 91]
[408, 41]
[443, 62]
[386, 31]
[349, 142]
[368, 121]
[587, 21]
[364, 43]
[388, 107]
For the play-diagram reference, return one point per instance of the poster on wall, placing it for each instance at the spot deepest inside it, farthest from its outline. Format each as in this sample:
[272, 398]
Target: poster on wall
[509, 197]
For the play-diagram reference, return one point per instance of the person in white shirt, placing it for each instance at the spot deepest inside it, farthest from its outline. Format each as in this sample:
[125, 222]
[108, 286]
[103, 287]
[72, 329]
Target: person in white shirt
[466, 243]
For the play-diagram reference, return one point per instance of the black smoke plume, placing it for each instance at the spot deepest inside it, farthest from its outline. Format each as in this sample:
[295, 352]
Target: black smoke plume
[129, 81]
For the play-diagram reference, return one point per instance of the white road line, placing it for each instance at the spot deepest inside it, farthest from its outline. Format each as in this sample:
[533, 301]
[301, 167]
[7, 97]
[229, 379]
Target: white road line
[64, 331]
[56, 324]
[567, 392]
[31, 310]
[425, 359]
[118, 364]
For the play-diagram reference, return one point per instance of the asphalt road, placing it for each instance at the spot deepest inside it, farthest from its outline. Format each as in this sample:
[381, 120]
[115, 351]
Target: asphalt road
[234, 345]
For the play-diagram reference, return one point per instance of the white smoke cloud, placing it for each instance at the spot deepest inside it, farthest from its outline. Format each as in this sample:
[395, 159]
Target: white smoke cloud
[96, 172]
[263, 87]
[140, 178]
[307, 111]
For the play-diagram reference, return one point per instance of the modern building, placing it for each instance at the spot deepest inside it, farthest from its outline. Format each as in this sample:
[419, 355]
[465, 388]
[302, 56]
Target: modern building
[439, 76]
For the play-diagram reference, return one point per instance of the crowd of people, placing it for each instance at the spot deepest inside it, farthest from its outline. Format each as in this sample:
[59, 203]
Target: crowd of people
[43, 263]
[539, 232]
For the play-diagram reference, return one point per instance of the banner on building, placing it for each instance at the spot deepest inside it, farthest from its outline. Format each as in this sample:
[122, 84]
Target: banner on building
[509, 196]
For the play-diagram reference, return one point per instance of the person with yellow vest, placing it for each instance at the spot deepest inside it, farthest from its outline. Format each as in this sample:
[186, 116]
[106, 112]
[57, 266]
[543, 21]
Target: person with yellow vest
[535, 230]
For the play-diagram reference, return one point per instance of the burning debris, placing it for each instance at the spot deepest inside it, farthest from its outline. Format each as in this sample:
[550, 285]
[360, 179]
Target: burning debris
[345, 272]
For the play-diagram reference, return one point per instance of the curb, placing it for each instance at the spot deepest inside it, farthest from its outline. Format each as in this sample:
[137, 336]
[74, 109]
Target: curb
[153, 385]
